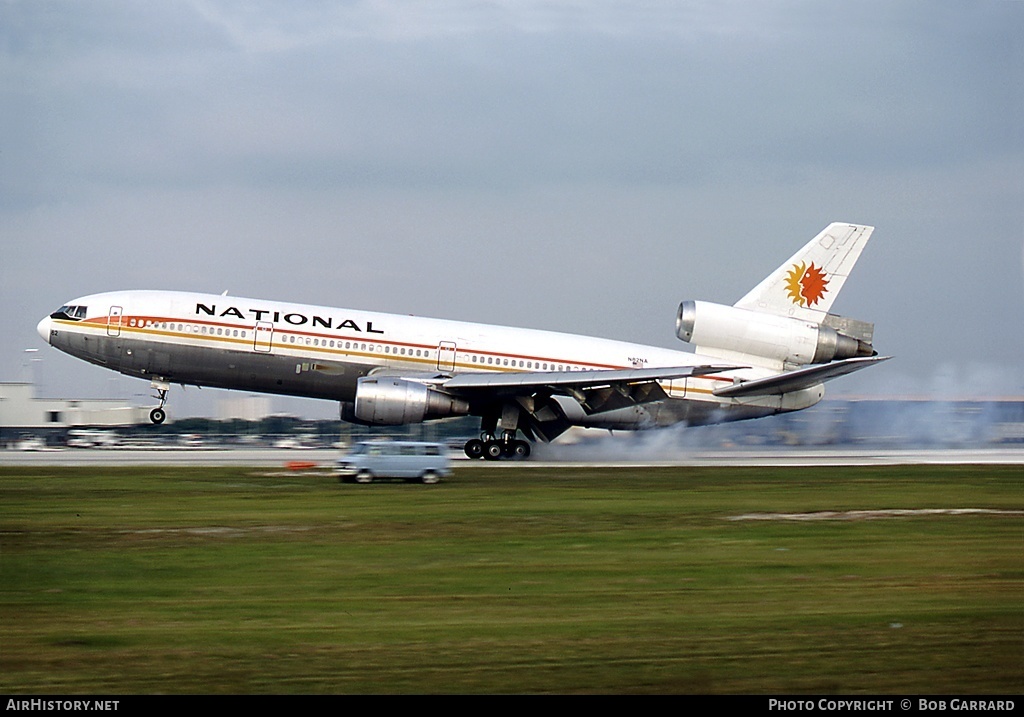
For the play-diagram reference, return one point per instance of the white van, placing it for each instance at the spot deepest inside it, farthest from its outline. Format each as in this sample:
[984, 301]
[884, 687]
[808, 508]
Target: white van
[411, 460]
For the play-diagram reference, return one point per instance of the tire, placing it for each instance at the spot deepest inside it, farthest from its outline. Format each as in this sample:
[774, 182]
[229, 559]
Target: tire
[430, 478]
[494, 450]
[519, 450]
[474, 448]
[158, 415]
[364, 477]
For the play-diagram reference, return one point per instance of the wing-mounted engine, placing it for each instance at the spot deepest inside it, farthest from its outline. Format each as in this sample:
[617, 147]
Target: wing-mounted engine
[728, 330]
[391, 401]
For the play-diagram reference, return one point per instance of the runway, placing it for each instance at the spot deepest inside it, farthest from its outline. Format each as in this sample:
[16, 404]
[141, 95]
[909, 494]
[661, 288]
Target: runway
[325, 458]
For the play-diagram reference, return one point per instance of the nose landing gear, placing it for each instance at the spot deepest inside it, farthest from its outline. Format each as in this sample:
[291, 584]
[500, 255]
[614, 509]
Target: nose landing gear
[158, 415]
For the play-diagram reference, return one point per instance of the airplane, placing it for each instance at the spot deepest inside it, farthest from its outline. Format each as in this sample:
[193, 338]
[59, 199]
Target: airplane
[768, 353]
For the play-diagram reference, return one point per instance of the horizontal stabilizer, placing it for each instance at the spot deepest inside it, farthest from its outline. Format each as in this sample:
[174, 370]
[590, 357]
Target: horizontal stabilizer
[799, 379]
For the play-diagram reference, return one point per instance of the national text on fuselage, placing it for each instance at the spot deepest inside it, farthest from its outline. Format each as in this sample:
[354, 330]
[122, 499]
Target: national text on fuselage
[292, 318]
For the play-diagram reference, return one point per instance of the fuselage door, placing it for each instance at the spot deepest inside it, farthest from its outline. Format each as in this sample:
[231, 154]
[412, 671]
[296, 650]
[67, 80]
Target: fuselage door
[446, 356]
[676, 388]
[264, 337]
[114, 321]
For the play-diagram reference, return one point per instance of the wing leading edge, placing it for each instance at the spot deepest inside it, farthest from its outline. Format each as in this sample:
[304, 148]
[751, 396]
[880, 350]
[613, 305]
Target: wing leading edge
[573, 379]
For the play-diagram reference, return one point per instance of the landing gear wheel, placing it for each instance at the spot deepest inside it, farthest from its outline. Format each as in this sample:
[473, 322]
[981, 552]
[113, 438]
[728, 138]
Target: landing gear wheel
[158, 414]
[494, 450]
[518, 450]
[474, 448]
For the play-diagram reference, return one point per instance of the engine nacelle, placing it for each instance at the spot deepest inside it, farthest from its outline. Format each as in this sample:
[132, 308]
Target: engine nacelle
[779, 338]
[388, 401]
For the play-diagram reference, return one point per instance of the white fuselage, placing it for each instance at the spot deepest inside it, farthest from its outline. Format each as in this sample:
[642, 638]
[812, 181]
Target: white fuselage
[320, 352]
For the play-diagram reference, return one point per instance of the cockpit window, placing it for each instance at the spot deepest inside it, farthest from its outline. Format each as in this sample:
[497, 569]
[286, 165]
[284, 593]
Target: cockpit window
[70, 312]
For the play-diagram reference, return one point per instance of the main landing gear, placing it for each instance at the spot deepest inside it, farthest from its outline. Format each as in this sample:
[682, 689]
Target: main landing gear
[492, 448]
[496, 449]
[158, 415]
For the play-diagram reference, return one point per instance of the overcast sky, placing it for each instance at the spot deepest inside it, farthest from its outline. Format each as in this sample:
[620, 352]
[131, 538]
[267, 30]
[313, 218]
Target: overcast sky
[570, 165]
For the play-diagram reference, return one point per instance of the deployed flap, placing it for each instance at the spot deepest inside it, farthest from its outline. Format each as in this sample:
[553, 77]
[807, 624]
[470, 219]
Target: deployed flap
[610, 398]
[797, 380]
[595, 391]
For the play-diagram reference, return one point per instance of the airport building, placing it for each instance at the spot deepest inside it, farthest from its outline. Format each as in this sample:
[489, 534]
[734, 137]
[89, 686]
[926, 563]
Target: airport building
[244, 408]
[21, 413]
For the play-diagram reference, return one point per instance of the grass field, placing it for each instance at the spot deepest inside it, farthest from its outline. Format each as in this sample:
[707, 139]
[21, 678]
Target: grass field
[512, 579]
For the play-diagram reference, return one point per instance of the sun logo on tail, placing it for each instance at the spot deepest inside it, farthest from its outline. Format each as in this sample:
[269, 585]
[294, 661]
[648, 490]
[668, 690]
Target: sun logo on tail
[806, 284]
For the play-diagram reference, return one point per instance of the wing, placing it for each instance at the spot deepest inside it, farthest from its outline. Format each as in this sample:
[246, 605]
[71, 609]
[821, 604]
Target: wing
[575, 379]
[595, 391]
[540, 395]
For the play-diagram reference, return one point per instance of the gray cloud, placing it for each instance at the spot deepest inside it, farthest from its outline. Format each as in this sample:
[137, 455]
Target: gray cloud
[572, 166]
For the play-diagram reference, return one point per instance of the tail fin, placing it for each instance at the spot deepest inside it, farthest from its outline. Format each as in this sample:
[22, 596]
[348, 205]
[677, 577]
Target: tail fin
[806, 285]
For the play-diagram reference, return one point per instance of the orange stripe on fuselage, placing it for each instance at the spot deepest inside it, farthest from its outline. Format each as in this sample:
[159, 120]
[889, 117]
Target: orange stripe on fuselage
[149, 325]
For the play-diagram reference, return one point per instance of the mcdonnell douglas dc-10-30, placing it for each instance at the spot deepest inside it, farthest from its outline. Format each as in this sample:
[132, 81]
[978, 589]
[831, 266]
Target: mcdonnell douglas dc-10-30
[768, 353]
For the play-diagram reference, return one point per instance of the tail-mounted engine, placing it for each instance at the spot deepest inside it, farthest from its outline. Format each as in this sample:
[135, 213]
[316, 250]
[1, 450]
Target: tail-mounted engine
[778, 338]
[387, 401]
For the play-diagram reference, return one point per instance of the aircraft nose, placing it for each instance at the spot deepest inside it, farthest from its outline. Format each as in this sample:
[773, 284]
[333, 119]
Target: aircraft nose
[43, 328]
